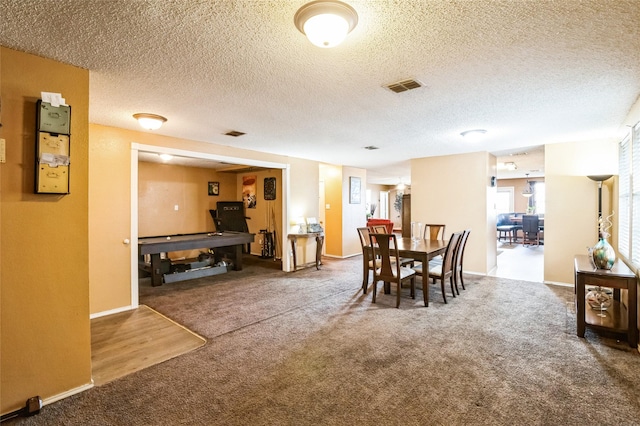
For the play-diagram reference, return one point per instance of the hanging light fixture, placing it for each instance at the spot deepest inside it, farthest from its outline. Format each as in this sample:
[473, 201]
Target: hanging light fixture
[326, 23]
[149, 121]
[528, 190]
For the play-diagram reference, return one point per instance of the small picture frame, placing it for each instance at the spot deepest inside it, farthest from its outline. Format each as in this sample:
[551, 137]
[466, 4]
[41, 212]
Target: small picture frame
[354, 190]
[269, 188]
[214, 188]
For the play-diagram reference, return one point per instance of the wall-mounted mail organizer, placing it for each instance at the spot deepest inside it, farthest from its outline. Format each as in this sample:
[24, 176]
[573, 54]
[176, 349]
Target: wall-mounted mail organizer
[52, 148]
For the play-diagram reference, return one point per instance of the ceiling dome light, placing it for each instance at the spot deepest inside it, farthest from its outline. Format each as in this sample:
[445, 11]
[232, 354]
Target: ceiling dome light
[326, 23]
[150, 121]
[473, 135]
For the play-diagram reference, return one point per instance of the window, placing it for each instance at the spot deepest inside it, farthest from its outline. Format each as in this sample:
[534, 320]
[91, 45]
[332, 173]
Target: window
[504, 200]
[384, 204]
[539, 197]
[629, 197]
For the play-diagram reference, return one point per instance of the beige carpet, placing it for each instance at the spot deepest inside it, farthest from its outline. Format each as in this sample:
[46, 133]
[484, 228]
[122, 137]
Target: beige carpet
[130, 341]
[309, 349]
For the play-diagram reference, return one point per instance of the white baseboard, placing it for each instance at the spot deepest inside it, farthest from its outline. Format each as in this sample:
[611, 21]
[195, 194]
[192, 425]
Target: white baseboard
[112, 311]
[67, 394]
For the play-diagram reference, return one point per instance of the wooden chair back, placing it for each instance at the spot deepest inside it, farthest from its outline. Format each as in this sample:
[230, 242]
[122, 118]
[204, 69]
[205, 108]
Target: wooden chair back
[365, 239]
[385, 249]
[449, 255]
[458, 259]
[434, 232]
[378, 229]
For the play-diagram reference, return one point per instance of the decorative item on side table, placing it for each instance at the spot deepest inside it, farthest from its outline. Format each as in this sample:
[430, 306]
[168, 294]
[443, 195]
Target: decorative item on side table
[602, 253]
[599, 299]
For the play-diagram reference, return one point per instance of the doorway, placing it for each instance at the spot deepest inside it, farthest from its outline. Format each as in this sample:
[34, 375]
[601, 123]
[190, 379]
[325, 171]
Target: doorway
[515, 260]
[136, 148]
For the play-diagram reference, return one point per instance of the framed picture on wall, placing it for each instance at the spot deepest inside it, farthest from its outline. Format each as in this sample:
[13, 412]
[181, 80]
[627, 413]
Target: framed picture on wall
[270, 188]
[214, 188]
[354, 190]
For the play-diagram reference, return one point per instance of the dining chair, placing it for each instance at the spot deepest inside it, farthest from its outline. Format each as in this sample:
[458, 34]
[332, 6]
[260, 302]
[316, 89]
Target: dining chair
[457, 264]
[530, 229]
[385, 247]
[506, 227]
[441, 271]
[434, 232]
[368, 260]
[382, 229]
[378, 229]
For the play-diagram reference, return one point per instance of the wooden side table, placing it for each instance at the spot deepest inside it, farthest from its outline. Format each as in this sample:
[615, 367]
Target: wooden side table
[319, 236]
[620, 320]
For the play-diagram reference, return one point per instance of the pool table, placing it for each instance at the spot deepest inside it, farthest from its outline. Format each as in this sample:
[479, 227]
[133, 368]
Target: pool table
[153, 246]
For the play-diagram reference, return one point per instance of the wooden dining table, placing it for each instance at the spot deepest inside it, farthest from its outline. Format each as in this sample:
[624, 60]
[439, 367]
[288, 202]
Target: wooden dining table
[422, 251]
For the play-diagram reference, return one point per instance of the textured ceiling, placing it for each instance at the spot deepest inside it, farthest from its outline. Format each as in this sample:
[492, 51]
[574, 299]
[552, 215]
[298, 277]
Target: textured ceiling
[529, 72]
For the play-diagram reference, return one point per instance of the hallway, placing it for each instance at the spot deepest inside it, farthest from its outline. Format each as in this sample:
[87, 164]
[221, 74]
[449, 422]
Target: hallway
[519, 262]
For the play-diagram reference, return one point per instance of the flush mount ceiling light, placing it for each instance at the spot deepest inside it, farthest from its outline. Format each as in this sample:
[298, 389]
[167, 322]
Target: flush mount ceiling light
[473, 135]
[165, 157]
[149, 121]
[326, 23]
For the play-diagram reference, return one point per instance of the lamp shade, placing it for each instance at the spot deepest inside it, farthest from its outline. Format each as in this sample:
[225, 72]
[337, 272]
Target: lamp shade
[149, 121]
[326, 23]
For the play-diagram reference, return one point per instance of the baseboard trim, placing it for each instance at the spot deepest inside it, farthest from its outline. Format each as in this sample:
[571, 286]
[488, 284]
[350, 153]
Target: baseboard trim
[112, 311]
[557, 283]
[66, 394]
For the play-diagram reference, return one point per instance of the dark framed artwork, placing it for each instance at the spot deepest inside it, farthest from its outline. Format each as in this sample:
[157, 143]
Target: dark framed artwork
[354, 190]
[214, 188]
[270, 188]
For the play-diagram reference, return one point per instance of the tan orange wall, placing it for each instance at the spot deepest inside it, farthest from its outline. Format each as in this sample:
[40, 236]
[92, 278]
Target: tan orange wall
[520, 202]
[332, 177]
[109, 219]
[161, 187]
[267, 214]
[454, 190]
[45, 341]
[572, 202]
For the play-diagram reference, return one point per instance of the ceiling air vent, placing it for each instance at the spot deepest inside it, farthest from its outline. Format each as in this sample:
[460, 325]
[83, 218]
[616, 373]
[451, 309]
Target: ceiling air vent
[404, 85]
[371, 147]
[234, 133]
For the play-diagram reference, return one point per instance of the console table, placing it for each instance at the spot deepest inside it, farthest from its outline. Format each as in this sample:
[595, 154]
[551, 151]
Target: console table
[319, 236]
[620, 320]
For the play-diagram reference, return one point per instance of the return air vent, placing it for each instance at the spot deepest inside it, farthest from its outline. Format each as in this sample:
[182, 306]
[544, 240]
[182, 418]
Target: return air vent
[234, 133]
[404, 85]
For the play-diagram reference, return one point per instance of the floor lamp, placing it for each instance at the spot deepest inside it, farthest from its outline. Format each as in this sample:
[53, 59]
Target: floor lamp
[599, 179]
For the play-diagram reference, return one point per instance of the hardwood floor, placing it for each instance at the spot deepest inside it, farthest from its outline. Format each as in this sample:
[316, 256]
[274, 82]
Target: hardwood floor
[129, 341]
